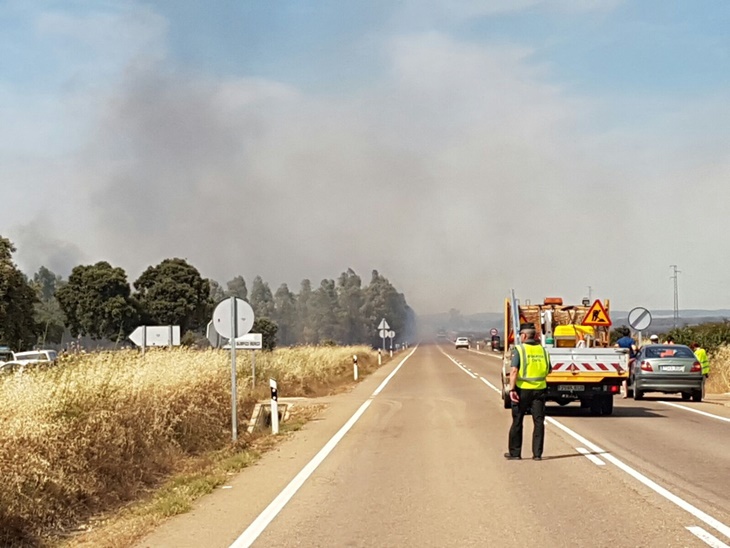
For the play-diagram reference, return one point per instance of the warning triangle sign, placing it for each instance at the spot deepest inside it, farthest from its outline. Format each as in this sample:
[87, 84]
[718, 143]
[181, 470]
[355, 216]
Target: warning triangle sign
[597, 315]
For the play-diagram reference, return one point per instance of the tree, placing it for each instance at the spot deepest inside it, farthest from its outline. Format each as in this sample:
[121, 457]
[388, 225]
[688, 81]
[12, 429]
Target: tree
[350, 302]
[383, 301]
[216, 294]
[48, 314]
[305, 332]
[96, 302]
[174, 293]
[18, 329]
[324, 312]
[237, 288]
[262, 301]
[285, 314]
[268, 330]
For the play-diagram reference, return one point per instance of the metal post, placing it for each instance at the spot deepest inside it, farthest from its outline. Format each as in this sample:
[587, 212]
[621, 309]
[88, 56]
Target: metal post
[234, 396]
[144, 339]
[274, 407]
[253, 370]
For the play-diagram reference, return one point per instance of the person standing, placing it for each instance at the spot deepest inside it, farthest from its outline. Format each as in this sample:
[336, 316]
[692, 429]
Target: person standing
[527, 389]
[627, 342]
[701, 355]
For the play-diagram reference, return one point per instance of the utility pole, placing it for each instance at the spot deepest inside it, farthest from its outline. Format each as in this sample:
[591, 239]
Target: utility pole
[590, 293]
[674, 277]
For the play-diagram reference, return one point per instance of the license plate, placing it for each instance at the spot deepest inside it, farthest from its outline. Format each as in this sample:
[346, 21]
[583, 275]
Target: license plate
[571, 388]
[672, 368]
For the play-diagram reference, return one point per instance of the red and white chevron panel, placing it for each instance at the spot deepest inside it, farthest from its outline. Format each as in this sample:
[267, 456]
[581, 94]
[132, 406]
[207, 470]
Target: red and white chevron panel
[585, 366]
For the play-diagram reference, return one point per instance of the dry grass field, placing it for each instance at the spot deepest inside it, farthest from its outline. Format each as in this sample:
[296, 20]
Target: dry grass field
[100, 430]
[719, 380]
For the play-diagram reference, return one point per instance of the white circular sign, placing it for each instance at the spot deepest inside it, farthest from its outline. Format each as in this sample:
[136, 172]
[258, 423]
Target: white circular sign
[391, 333]
[639, 318]
[383, 333]
[493, 332]
[222, 318]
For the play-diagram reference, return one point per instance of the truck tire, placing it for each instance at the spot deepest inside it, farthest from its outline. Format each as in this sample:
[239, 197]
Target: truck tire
[607, 405]
[596, 406]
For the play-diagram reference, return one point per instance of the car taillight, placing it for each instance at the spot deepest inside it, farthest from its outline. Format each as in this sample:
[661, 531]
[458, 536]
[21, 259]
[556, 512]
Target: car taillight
[696, 367]
[646, 366]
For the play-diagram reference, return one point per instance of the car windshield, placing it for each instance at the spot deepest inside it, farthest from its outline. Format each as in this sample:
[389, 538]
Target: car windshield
[669, 351]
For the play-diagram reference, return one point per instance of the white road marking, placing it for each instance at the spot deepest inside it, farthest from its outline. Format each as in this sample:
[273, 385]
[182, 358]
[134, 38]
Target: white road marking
[257, 527]
[683, 504]
[490, 385]
[706, 537]
[705, 413]
[464, 369]
[590, 456]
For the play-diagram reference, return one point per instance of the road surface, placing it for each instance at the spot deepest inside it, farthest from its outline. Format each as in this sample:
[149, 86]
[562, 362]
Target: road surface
[413, 456]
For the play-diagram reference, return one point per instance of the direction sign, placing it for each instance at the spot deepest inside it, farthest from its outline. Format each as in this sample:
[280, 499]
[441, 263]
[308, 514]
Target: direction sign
[391, 333]
[639, 318]
[597, 315]
[493, 332]
[249, 341]
[383, 325]
[222, 318]
[156, 335]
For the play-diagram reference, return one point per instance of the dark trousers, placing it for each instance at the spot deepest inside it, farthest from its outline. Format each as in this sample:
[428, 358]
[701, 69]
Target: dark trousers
[534, 401]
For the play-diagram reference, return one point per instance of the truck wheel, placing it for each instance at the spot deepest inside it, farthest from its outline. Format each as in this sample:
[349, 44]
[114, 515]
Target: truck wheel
[607, 405]
[596, 406]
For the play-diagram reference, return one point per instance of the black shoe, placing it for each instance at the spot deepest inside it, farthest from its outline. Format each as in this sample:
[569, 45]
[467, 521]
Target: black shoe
[536, 458]
[509, 456]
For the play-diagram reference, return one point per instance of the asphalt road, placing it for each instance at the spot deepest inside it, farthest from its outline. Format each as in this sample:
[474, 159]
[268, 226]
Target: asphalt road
[413, 456]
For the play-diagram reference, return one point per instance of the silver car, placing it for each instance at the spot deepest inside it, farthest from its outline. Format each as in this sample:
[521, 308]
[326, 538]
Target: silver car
[667, 368]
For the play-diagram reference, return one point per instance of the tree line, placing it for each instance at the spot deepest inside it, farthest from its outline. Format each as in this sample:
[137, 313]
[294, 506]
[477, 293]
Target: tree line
[98, 301]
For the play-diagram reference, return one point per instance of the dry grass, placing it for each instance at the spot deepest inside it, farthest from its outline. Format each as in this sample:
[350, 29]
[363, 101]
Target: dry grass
[719, 380]
[102, 429]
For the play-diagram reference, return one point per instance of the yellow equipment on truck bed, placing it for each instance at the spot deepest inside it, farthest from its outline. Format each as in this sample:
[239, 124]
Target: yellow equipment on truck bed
[585, 367]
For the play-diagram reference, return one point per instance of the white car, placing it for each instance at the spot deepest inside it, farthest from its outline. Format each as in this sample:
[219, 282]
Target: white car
[462, 342]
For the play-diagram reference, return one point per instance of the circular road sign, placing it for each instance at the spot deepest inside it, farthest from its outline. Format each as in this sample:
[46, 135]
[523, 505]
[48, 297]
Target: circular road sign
[383, 333]
[639, 318]
[391, 333]
[493, 331]
[222, 318]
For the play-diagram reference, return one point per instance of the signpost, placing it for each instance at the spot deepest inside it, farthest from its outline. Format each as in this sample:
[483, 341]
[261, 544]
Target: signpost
[391, 335]
[231, 319]
[639, 319]
[597, 316]
[156, 335]
[384, 329]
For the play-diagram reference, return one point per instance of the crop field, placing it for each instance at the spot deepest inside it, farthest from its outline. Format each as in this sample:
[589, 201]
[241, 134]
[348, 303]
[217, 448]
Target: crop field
[719, 380]
[99, 429]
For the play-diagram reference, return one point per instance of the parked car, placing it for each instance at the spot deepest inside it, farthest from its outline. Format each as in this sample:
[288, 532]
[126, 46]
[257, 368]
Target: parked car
[462, 342]
[43, 357]
[667, 368]
[10, 367]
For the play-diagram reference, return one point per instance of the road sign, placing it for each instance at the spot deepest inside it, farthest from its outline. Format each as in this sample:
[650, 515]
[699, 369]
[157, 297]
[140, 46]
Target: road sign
[156, 335]
[391, 333]
[639, 318]
[597, 315]
[383, 324]
[250, 341]
[493, 332]
[222, 318]
[383, 333]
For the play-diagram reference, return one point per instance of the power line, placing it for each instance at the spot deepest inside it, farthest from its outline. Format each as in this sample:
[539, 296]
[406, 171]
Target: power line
[674, 277]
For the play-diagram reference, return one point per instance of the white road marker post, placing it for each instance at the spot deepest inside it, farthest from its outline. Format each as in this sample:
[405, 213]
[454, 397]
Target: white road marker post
[380, 357]
[354, 365]
[274, 407]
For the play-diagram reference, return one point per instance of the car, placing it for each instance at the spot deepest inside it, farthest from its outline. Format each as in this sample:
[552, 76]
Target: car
[11, 367]
[46, 357]
[462, 342]
[669, 369]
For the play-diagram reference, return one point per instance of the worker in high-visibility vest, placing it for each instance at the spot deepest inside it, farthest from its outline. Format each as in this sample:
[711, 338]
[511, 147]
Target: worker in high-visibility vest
[701, 355]
[527, 390]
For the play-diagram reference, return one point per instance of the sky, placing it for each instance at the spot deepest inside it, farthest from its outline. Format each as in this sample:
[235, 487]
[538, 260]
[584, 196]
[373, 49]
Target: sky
[461, 148]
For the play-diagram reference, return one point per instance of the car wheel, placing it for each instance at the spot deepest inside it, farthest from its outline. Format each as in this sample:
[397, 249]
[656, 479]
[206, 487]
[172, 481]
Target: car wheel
[638, 394]
[697, 396]
[686, 396]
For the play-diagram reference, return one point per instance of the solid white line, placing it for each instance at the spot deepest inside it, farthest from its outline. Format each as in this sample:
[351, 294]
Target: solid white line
[683, 504]
[257, 527]
[590, 456]
[706, 414]
[490, 385]
[707, 538]
[464, 369]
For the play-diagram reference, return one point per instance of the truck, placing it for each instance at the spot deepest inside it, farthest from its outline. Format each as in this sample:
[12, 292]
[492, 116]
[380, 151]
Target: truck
[585, 367]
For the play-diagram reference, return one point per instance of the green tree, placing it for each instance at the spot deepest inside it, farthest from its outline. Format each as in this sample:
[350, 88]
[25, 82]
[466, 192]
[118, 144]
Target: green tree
[174, 293]
[268, 330]
[216, 294]
[324, 312]
[382, 300]
[96, 302]
[285, 314]
[18, 328]
[262, 301]
[237, 287]
[305, 332]
[48, 314]
[350, 301]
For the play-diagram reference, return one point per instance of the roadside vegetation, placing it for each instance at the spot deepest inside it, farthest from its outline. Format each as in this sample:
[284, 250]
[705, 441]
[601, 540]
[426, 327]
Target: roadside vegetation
[101, 430]
[715, 338]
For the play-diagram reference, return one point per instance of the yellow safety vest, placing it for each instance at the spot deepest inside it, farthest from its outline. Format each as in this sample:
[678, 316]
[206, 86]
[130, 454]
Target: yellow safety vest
[704, 362]
[534, 367]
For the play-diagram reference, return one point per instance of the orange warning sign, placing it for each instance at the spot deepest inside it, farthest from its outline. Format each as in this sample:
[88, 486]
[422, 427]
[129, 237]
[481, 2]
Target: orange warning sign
[597, 316]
